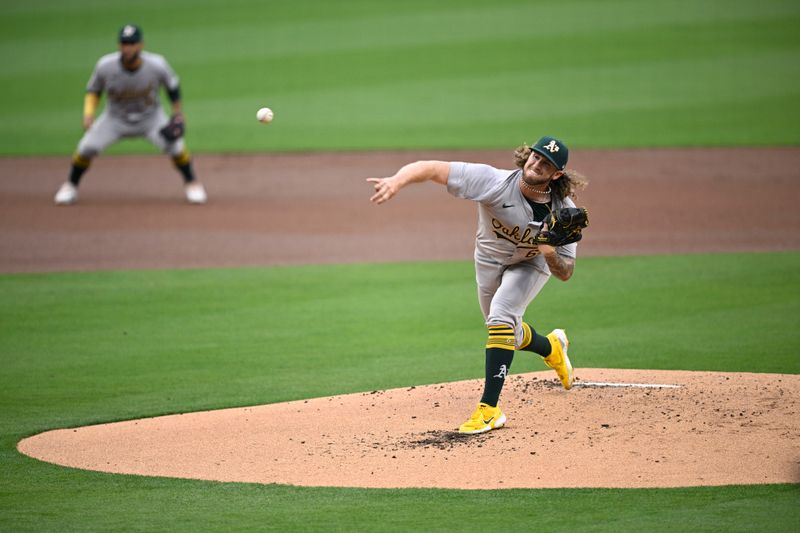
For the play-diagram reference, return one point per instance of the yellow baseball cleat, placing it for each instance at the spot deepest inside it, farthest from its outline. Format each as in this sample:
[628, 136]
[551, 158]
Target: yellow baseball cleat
[485, 418]
[558, 360]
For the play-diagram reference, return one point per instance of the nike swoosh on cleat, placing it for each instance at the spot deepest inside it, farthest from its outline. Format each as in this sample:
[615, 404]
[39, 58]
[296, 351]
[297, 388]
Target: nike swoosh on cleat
[487, 421]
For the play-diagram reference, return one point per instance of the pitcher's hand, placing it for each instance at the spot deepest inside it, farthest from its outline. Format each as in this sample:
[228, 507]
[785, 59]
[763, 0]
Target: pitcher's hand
[385, 188]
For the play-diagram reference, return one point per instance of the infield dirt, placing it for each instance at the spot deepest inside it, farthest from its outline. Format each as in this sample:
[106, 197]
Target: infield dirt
[301, 209]
[297, 208]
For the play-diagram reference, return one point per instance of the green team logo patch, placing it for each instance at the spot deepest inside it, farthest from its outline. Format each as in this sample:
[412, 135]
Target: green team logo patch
[552, 147]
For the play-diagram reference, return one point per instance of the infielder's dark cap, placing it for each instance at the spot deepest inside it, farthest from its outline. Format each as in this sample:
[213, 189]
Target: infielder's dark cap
[130, 33]
[554, 150]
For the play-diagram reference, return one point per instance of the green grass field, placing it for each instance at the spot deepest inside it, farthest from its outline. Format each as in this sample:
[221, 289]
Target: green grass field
[84, 348]
[367, 74]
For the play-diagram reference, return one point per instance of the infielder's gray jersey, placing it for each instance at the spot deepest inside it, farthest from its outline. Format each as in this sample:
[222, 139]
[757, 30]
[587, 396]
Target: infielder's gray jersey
[133, 107]
[506, 225]
[510, 270]
[132, 96]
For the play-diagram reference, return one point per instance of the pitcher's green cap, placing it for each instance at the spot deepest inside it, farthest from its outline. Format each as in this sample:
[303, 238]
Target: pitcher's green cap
[554, 150]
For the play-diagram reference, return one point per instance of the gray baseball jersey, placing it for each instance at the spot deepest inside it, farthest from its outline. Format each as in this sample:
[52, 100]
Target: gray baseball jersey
[510, 270]
[132, 96]
[133, 105]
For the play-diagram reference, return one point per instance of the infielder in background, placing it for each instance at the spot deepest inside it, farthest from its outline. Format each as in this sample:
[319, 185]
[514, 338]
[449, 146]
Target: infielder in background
[132, 80]
[517, 248]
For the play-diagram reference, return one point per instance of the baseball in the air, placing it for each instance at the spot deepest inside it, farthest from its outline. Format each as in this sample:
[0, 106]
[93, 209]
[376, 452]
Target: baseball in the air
[264, 115]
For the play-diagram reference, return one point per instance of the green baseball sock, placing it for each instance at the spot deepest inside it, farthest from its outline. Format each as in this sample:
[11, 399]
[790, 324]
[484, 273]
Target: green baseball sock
[79, 167]
[538, 344]
[498, 364]
[186, 171]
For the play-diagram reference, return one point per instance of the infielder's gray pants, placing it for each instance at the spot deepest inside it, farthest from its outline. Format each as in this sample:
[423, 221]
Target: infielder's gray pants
[505, 292]
[108, 130]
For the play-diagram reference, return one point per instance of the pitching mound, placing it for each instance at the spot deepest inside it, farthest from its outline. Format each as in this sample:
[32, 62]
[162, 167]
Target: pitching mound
[615, 428]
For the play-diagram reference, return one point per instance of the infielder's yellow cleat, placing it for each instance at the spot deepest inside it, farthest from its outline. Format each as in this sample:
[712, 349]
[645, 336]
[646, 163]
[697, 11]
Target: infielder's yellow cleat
[485, 418]
[558, 360]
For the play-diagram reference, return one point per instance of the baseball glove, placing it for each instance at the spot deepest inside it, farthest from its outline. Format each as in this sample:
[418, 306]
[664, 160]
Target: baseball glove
[174, 129]
[563, 226]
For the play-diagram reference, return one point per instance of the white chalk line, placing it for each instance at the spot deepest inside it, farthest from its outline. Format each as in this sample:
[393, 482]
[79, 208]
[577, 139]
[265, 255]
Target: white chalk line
[627, 385]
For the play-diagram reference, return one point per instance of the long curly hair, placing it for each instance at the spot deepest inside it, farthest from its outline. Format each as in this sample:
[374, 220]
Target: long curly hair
[568, 185]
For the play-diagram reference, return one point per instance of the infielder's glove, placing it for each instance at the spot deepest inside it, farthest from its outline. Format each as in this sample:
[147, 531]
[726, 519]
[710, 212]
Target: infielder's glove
[174, 129]
[563, 226]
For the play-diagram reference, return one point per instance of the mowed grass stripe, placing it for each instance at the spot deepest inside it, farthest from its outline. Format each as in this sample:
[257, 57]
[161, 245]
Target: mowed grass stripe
[359, 75]
[80, 348]
[145, 343]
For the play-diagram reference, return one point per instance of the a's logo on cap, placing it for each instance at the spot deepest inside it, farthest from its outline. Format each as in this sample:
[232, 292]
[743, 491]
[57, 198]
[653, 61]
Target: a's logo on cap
[128, 31]
[552, 147]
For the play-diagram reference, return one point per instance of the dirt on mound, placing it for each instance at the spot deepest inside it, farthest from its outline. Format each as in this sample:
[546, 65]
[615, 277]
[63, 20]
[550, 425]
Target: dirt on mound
[615, 428]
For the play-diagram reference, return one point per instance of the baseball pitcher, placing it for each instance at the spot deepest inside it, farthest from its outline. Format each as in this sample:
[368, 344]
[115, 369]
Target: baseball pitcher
[528, 227]
[132, 80]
